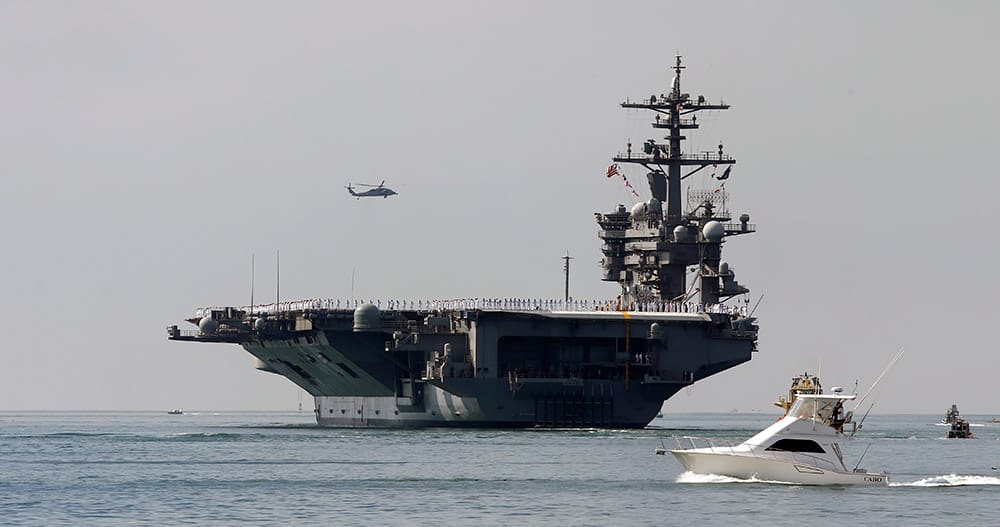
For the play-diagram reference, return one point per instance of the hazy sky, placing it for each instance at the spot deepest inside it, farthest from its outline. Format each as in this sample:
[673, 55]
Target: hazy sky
[147, 149]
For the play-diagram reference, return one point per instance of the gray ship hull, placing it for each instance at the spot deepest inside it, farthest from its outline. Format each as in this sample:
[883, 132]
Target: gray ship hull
[483, 368]
[492, 405]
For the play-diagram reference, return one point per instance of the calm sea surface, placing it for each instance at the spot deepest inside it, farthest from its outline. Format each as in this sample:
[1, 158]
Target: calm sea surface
[209, 468]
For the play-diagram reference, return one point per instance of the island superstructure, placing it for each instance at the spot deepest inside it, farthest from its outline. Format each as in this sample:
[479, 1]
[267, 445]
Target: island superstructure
[506, 362]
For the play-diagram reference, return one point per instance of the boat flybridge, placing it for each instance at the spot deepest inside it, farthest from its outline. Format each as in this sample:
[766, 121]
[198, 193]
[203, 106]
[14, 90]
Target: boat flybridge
[801, 448]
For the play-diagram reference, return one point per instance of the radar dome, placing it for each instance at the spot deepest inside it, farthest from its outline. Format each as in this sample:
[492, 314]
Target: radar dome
[655, 331]
[680, 233]
[713, 231]
[639, 209]
[259, 324]
[724, 268]
[654, 206]
[208, 326]
[367, 317]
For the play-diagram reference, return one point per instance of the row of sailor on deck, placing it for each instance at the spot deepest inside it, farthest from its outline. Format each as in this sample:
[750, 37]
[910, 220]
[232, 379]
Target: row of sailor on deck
[493, 304]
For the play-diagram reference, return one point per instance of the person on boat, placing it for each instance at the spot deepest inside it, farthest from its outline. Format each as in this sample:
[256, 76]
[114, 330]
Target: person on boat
[838, 416]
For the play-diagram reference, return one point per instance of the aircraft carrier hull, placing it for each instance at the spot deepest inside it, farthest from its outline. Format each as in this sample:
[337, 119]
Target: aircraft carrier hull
[479, 368]
[495, 407]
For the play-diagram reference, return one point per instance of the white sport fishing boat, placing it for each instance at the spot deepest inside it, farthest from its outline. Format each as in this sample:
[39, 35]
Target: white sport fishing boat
[801, 448]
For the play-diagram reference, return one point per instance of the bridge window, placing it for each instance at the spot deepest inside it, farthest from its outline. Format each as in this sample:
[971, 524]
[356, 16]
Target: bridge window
[796, 445]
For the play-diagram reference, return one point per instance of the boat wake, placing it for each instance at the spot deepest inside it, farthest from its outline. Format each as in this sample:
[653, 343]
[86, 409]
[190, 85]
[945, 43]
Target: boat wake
[691, 477]
[950, 480]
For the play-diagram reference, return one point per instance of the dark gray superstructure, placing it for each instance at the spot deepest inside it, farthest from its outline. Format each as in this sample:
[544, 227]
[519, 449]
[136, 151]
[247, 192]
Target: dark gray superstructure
[520, 363]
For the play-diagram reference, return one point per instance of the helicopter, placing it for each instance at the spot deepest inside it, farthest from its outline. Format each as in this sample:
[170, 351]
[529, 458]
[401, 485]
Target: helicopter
[374, 191]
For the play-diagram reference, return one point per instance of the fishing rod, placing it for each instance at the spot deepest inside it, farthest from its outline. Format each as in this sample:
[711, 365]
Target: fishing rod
[862, 457]
[879, 379]
[861, 423]
[819, 375]
[850, 414]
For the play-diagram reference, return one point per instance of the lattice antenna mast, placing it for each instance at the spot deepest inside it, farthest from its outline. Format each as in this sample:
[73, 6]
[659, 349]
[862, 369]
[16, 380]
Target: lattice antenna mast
[648, 249]
[671, 114]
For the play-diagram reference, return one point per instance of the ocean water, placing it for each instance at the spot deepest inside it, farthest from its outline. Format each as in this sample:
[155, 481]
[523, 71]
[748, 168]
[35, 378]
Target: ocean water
[218, 468]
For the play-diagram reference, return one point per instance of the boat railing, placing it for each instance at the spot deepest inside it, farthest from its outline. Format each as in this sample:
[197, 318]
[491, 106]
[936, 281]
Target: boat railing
[685, 442]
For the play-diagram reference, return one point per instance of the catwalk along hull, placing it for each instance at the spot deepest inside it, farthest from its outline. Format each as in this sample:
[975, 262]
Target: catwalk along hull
[486, 368]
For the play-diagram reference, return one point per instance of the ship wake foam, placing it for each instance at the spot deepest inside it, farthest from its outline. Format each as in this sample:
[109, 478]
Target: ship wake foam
[950, 480]
[691, 477]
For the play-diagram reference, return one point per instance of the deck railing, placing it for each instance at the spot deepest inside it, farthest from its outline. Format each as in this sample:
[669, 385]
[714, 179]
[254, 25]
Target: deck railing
[485, 304]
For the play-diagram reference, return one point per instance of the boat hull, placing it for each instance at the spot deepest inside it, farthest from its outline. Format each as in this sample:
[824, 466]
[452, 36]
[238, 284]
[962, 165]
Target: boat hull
[776, 470]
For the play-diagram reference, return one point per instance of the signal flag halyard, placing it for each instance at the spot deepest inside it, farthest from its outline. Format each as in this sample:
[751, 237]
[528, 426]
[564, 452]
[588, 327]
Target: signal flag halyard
[613, 171]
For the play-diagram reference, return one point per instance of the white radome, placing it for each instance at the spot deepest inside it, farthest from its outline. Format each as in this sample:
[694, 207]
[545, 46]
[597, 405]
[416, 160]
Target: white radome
[713, 231]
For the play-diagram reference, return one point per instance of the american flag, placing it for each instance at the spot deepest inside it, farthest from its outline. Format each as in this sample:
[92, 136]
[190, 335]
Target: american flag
[613, 170]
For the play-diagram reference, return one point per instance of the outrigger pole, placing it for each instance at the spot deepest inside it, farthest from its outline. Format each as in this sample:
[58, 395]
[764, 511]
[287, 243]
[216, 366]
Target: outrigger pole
[892, 362]
[879, 379]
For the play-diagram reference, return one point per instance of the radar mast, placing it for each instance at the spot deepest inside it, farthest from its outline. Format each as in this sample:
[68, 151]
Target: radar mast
[648, 250]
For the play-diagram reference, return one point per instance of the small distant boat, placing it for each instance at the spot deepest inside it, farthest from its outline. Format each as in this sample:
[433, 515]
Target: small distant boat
[996, 420]
[951, 416]
[176, 411]
[959, 428]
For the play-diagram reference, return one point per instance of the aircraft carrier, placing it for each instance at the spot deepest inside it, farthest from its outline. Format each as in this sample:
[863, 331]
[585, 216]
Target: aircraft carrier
[506, 362]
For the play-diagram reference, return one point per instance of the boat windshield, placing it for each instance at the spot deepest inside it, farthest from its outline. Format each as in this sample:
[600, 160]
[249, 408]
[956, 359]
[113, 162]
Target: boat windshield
[823, 409]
